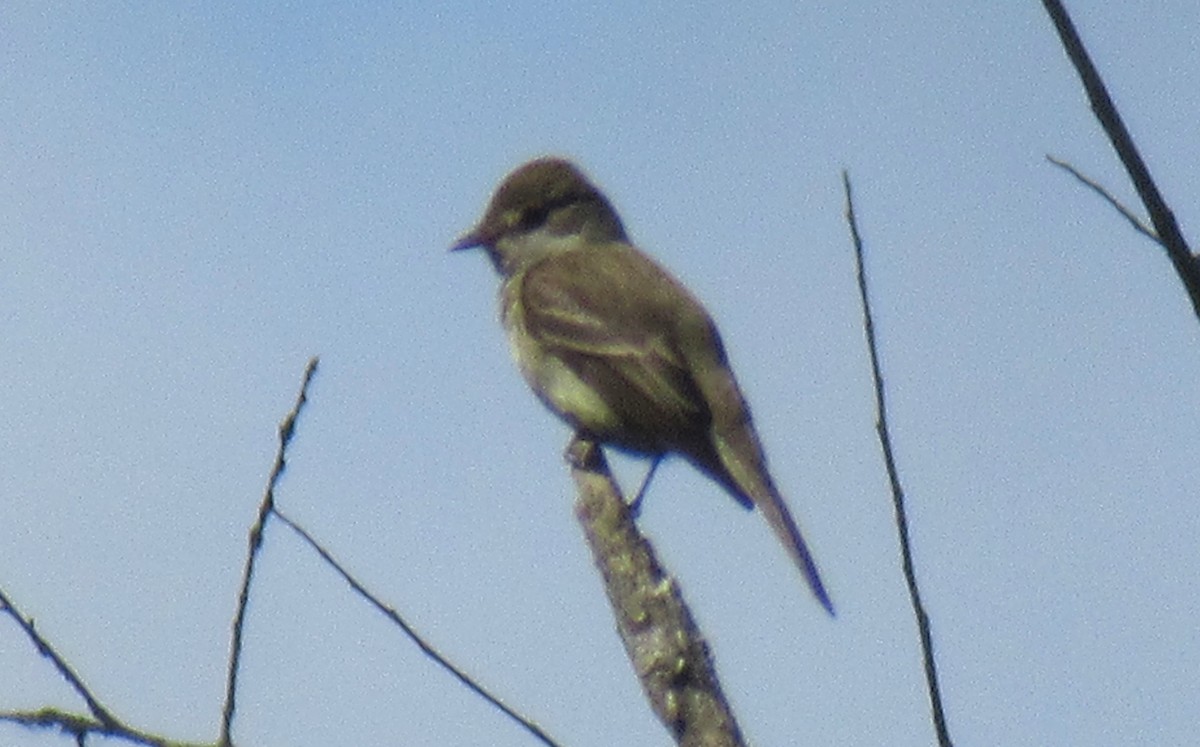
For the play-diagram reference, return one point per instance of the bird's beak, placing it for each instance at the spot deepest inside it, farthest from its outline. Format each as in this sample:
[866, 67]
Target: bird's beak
[469, 240]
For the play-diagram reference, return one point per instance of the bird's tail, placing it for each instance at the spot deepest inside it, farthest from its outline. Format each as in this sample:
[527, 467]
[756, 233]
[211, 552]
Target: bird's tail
[742, 469]
[780, 519]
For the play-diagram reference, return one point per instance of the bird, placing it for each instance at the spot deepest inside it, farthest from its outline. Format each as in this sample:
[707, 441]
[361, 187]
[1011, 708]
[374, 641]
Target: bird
[616, 346]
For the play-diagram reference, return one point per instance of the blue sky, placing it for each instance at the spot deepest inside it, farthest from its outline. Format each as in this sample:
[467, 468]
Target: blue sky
[196, 197]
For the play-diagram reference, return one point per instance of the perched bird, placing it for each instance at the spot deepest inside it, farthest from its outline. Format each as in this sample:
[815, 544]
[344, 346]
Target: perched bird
[615, 345]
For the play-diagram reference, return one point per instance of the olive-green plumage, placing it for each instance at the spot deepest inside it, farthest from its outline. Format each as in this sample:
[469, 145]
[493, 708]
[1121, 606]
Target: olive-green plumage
[615, 345]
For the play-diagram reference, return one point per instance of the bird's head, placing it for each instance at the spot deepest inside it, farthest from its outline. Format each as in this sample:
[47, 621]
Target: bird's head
[542, 202]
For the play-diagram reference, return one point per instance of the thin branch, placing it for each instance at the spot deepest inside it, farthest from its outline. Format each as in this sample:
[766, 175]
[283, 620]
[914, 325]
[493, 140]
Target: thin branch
[413, 635]
[80, 727]
[286, 430]
[103, 716]
[267, 509]
[1126, 213]
[104, 723]
[885, 442]
[1187, 266]
[662, 641]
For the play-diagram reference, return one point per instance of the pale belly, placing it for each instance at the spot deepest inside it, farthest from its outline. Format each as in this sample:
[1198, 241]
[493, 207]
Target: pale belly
[558, 387]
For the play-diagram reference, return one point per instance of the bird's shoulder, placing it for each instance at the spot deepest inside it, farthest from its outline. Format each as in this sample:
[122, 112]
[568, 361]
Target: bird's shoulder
[615, 280]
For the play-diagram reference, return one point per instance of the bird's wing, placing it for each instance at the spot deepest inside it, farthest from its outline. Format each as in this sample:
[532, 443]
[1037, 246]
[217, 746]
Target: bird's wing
[635, 336]
[609, 314]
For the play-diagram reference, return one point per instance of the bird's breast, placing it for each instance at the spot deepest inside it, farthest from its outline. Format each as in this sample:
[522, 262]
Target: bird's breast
[550, 378]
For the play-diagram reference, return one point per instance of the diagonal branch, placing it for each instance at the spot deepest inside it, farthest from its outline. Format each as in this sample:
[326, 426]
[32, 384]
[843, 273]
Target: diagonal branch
[102, 722]
[885, 442]
[1126, 213]
[1187, 265]
[668, 653]
[426, 647]
[103, 716]
[286, 430]
[268, 509]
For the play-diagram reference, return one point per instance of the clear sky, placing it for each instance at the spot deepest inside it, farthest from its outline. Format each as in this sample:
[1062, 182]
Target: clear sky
[196, 197]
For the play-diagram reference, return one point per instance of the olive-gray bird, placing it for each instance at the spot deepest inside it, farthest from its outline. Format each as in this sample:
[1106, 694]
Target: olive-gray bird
[615, 345]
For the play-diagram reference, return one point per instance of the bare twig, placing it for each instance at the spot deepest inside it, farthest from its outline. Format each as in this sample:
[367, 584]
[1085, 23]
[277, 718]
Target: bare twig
[102, 722]
[661, 639]
[267, 509]
[885, 442]
[413, 635]
[286, 430]
[1126, 213]
[1187, 265]
[103, 716]
[80, 727]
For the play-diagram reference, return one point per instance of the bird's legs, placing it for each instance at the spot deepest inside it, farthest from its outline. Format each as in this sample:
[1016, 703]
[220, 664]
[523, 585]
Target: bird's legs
[635, 506]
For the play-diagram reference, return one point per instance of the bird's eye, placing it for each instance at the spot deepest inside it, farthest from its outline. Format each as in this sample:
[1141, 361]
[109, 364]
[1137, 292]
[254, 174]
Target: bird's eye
[534, 217]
